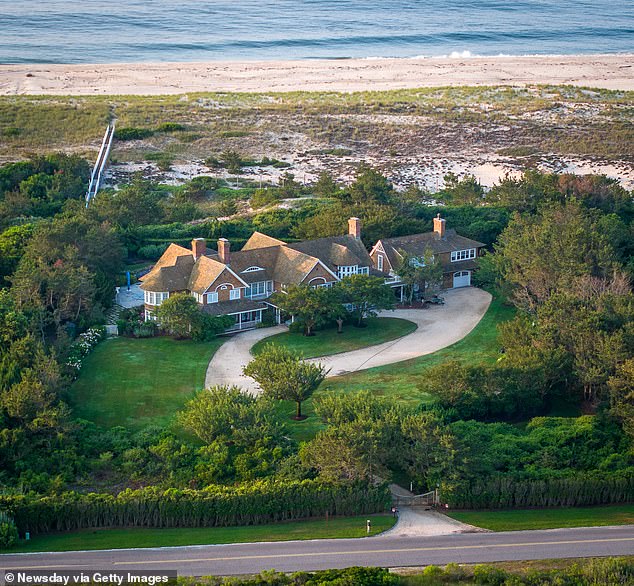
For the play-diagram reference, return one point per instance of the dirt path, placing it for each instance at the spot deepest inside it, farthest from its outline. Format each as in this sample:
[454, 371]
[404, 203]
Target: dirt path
[438, 327]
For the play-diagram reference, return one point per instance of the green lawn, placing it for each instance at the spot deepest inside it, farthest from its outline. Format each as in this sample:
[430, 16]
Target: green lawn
[328, 341]
[547, 518]
[399, 382]
[140, 382]
[336, 527]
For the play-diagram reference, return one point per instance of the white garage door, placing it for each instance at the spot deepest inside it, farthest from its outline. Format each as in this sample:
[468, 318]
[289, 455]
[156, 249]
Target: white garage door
[462, 279]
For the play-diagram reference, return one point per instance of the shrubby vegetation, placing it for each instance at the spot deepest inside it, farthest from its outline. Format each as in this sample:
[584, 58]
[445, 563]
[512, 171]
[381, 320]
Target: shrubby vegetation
[606, 571]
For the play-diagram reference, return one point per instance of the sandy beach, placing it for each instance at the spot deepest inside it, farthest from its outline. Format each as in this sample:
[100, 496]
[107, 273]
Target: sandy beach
[614, 72]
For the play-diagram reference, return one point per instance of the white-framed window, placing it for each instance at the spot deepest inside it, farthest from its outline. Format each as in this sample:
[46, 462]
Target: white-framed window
[259, 289]
[379, 262]
[212, 297]
[346, 271]
[364, 270]
[197, 296]
[457, 255]
[234, 294]
[252, 269]
[154, 298]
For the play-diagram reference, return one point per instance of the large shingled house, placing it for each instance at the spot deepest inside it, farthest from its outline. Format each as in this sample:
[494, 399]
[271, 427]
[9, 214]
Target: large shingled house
[239, 283]
[457, 255]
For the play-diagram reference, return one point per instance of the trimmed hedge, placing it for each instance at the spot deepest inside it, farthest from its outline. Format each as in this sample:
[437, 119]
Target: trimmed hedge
[506, 492]
[215, 506]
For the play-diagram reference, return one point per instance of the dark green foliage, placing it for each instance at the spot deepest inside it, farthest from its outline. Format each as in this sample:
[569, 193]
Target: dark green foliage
[8, 531]
[125, 134]
[487, 392]
[41, 186]
[255, 503]
[506, 492]
[552, 462]
[170, 127]
[13, 242]
[151, 251]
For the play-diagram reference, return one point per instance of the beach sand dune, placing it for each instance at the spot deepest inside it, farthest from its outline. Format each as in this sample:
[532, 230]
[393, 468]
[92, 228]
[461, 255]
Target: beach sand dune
[599, 71]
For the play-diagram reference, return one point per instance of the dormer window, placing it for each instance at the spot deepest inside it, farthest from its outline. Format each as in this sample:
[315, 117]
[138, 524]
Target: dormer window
[252, 269]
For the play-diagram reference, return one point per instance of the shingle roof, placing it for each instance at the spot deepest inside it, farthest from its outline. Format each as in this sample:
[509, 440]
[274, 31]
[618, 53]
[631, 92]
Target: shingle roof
[292, 266]
[204, 272]
[335, 251]
[257, 257]
[281, 262]
[417, 243]
[259, 240]
[171, 272]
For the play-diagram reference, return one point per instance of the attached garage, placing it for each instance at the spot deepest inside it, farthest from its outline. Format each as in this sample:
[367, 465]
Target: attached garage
[462, 279]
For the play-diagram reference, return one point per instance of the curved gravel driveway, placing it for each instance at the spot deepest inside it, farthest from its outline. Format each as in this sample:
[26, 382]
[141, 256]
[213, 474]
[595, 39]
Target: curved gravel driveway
[438, 327]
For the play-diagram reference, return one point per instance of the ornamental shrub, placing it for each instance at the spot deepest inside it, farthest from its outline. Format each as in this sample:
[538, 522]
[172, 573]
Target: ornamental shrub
[8, 531]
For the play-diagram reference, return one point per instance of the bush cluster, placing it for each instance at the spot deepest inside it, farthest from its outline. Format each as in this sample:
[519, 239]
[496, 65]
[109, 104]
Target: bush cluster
[83, 346]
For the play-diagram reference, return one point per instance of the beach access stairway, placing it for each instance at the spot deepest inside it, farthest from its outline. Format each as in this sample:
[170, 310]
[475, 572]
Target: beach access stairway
[100, 164]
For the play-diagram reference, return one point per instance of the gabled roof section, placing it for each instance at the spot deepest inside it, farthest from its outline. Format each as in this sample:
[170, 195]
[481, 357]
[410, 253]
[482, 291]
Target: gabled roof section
[335, 251]
[204, 273]
[171, 272]
[417, 243]
[261, 257]
[292, 266]
[259, 240]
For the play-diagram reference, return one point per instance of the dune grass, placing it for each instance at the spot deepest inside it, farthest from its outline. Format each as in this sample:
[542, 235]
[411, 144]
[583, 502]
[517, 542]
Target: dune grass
[519, 520]
[140, 382]
[327, 342]
[91, 539]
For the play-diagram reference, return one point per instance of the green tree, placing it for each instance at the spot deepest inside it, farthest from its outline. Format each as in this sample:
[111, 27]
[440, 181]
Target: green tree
[283, 375]
[312, 306]
[621, 386]
[179, 315]
[13, 242]
[366, 295]
[422, 274]
[229, 415]
[542, 254]
[465, 191]
[232, 161]
[370, 186]
[325, 186]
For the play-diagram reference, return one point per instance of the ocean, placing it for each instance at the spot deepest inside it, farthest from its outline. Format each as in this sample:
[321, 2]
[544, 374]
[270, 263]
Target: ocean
[117, 31]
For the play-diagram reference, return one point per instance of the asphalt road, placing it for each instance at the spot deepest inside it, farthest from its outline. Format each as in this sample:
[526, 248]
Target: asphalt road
[385, 551]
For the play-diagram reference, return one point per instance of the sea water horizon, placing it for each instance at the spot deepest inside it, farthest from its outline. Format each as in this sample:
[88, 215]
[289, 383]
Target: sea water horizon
[133, 31]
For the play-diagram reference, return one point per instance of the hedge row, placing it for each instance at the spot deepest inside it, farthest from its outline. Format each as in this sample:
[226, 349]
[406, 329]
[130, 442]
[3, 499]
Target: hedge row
[505, 492]
[214, 506]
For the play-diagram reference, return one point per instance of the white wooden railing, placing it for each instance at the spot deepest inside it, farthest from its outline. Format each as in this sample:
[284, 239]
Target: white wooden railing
[100, 164]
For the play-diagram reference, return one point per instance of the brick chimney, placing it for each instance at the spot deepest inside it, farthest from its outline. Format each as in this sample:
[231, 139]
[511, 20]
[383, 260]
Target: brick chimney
[199, 246]
[439, 226]
[354, 228]
[224, 250]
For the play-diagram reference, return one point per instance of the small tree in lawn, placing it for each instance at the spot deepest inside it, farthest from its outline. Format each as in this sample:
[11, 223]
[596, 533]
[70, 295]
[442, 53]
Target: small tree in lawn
[311, 306]
[367, 295]
[283, 375]
[179, 315]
